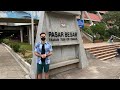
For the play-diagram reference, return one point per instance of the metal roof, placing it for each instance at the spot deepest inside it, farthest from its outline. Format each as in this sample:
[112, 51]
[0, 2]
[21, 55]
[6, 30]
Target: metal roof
[17, 17]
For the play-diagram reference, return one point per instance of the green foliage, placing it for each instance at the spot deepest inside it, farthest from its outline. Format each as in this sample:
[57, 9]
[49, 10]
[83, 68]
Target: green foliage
[1, 40]
[98, 28]
[86, 21]
[113, 18]
[92, 12]
[107, 34]
[11, 45]
[15, 47]
[29, 60]
[22, 50]
[102, 37]
[88, 30]
[6, 41]
[26, 46]
[113, 31]
[29, 55]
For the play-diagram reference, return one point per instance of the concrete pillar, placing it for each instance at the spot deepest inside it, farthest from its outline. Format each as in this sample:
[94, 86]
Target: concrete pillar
[21, 34]
[82, 15]
[33, 70]
[77, 52]
[27, 34]
[30, 35]
[83, 61]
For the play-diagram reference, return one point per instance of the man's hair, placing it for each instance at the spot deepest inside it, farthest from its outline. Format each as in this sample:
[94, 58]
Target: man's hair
[42, 33]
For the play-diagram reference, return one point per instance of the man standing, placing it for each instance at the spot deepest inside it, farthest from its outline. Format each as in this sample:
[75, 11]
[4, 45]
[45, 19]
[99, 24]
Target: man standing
[43, 50]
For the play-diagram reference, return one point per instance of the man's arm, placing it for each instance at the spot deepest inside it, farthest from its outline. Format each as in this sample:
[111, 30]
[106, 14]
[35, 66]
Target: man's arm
[39, 55]
[44, 55]
[49, 54]
[50, 51]
[36, 50]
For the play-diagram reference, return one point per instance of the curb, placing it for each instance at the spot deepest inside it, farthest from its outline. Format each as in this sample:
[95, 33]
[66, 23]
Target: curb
[25, 66]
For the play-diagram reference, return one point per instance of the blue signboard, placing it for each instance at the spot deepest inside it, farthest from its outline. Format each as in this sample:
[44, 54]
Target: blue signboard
[80, 23]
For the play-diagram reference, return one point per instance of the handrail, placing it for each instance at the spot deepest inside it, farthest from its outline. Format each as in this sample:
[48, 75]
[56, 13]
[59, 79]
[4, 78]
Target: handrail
[112, 37]
[115, 37]
[88, 36]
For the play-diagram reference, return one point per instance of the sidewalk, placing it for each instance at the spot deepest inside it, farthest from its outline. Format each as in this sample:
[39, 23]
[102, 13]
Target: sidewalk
[9, 68]
[97, 69]
[109, 69]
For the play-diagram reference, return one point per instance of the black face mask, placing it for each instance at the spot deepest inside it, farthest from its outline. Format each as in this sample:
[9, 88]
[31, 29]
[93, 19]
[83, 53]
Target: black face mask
[43, 38]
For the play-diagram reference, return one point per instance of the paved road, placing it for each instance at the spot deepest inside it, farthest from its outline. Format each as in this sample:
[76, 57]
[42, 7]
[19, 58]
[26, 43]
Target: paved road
[9, 68]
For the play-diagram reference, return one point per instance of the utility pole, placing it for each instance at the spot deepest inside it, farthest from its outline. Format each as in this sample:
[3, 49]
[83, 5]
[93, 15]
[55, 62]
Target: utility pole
[81, 18]
[81, 14]
[32, 26]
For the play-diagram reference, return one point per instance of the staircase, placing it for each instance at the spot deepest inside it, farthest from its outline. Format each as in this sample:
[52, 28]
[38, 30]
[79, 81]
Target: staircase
[103, 52]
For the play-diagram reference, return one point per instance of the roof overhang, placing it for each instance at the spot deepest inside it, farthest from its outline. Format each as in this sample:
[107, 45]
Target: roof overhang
[67, 12]
[15, 20]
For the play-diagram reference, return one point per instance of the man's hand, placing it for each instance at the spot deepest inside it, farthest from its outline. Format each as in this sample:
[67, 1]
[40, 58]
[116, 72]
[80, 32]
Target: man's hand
[40, 55]
[43, 55]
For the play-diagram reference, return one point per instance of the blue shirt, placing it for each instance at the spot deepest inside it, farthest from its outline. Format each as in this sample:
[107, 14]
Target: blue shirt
[38, 49]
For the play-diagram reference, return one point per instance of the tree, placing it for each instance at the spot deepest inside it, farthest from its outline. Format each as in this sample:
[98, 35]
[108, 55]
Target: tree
[113, 18]
[88, 30]
[98, 28]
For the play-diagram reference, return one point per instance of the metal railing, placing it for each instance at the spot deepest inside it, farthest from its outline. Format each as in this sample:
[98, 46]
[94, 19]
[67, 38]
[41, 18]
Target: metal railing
[88, 36]
[112, 38]
[116, 37]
